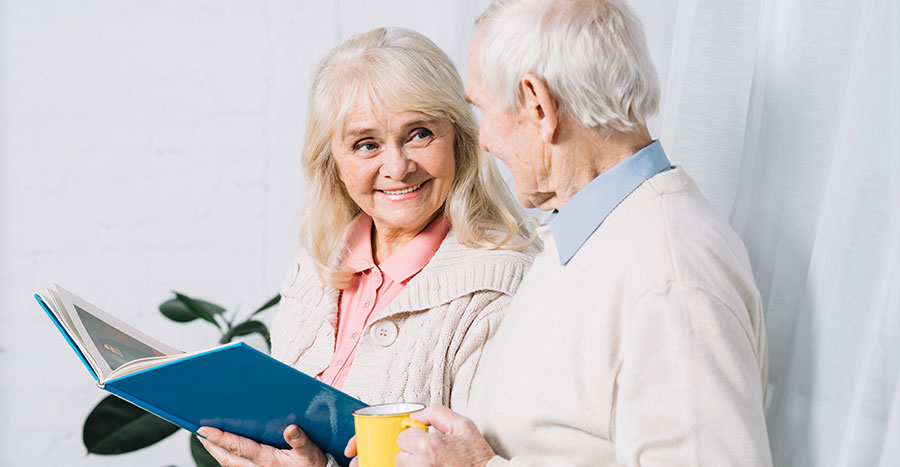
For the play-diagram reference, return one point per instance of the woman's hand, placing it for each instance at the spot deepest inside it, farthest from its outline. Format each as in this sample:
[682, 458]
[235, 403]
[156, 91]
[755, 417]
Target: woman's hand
[350, 451]
[231, 450]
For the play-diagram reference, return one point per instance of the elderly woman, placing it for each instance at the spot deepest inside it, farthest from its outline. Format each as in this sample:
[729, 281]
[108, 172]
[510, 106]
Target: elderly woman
[412, 246]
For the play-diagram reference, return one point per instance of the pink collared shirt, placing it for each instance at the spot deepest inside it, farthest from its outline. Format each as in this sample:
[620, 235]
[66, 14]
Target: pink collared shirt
[374, 286]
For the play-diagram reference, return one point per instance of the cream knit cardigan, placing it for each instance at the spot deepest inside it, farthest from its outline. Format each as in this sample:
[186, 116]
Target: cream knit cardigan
[647, 349]
[422, 347]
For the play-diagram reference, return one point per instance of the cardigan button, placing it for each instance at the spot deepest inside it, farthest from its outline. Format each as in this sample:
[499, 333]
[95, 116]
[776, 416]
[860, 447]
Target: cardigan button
[384, 333]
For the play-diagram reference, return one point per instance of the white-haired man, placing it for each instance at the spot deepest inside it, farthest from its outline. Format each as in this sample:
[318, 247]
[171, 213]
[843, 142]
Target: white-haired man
[637, 337]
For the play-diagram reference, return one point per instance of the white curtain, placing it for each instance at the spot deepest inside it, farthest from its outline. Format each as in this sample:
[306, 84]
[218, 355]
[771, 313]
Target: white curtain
[787, 113]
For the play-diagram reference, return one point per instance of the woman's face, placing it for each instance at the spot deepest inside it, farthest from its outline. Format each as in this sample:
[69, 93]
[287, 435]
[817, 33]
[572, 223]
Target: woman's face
[397, 165]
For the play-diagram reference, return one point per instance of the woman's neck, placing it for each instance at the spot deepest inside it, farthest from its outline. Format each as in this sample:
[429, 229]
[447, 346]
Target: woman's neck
[386, 241]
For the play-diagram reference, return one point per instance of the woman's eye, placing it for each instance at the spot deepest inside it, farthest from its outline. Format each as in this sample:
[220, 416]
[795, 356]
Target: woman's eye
[370, 146]
[422, 134]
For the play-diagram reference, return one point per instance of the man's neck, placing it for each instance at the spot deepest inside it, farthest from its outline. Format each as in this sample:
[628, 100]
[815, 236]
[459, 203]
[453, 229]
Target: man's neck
[580, 158]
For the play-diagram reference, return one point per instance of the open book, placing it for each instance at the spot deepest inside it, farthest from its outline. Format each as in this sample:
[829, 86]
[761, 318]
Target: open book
[232, 387]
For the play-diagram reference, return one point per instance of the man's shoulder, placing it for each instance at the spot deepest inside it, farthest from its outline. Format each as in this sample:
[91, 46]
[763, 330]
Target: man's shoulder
[665, 231]
[694, 229]
[704, 250]
[668, 204]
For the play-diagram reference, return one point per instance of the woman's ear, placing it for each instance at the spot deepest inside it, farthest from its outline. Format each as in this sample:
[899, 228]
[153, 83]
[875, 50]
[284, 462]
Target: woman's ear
[540, 106]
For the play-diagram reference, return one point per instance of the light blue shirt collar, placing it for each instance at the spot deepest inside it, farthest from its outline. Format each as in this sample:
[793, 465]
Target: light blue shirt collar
[582, 214]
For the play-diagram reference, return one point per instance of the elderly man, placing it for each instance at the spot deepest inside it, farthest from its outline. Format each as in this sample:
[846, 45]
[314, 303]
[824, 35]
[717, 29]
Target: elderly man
[637, 337]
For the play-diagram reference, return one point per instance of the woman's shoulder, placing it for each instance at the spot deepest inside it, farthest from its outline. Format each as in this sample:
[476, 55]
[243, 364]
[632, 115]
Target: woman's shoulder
[457, 270]
[452, 252]
[302, 281]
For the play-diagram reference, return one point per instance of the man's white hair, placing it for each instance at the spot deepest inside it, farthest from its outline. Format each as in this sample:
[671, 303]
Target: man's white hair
[591, 53]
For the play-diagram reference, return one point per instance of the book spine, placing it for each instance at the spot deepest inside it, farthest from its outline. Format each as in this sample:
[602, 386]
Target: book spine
[165, 415]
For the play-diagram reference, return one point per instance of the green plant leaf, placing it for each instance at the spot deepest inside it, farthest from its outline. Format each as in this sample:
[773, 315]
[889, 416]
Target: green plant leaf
[201, 456]
[245, 328]
[272, 302]
[197, 309]
[176, 310]
[116, 426]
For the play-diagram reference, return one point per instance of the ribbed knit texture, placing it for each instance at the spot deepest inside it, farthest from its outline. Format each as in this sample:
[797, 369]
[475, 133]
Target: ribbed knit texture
[439, 323]
[647, 348]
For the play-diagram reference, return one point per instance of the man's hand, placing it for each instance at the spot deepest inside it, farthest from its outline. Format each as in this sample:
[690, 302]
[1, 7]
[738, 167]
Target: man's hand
[231, 450]
[459, 443]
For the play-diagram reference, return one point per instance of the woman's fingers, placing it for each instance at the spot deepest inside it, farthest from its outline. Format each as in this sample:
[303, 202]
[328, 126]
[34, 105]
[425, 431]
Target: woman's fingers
[303, 450]
[221, 454]
[350, 450]
[295, 437]
[237, 445]
[232, 450]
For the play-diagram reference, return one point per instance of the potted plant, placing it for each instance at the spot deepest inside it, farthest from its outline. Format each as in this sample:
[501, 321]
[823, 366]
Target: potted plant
[115, 426]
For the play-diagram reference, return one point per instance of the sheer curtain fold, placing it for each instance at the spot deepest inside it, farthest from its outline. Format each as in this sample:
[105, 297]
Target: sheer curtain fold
[708, 91]
[787, 115]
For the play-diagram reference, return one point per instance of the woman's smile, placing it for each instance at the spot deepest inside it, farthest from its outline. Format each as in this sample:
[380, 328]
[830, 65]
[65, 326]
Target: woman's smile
[403, 194]
[397, 165]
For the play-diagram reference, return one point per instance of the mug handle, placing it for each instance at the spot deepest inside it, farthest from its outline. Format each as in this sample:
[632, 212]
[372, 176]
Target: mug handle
[407, 423]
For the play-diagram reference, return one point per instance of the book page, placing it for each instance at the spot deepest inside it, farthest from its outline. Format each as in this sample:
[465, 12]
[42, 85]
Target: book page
[135, 366]
[110, 342]
[55, 303]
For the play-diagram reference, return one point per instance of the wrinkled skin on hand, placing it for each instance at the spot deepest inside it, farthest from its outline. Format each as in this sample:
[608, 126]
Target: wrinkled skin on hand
[459, 442]
[231, 450]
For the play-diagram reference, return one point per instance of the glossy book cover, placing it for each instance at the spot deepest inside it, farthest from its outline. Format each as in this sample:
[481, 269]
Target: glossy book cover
[238, 389]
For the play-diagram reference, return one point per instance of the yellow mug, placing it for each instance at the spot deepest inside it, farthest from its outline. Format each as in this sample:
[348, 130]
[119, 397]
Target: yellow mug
[377, 428]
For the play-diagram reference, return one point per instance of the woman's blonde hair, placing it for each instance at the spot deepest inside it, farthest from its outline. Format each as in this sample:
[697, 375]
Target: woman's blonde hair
[406, 70]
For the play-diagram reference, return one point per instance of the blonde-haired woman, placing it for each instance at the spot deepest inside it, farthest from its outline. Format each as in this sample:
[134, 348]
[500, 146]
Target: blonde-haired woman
[412, 247]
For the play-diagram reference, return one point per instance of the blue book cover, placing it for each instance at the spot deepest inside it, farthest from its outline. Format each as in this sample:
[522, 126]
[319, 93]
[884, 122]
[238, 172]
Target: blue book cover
[234, 387]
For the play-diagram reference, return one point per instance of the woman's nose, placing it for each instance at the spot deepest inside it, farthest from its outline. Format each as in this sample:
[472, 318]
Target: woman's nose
[396, 163]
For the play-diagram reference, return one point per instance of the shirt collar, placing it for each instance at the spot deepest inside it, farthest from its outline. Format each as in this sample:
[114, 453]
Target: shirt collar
[358, 241]
[582, 214]
[405, 262]
[412, 257]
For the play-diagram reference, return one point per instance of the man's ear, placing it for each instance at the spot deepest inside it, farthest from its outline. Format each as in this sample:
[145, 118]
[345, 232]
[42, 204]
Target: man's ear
[540, 106]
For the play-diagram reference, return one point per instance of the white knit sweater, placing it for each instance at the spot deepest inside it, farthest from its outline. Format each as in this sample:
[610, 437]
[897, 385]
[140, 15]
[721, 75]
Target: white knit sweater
[425, 345]
[646, 349]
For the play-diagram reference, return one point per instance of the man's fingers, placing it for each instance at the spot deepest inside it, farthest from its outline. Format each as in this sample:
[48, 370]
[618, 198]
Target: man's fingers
[414, 440]
[442, 418]
[404, 459]
[417, 447]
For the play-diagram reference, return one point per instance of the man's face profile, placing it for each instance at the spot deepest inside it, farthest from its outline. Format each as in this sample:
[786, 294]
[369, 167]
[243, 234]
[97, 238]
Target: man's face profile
[506, 135]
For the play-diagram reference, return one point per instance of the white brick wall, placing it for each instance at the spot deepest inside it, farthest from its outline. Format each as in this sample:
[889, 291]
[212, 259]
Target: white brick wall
[147, 146]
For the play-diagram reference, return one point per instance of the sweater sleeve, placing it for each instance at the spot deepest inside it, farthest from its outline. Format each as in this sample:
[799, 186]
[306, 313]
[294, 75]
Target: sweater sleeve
[688, 391]
[488, 309]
